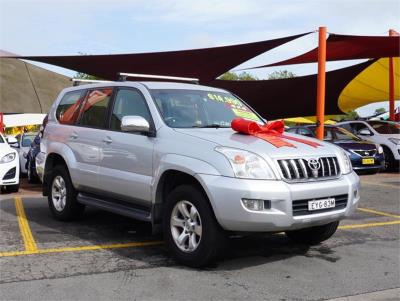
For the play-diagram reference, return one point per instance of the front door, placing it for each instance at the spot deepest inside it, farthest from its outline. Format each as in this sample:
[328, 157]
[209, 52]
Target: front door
[127, 158]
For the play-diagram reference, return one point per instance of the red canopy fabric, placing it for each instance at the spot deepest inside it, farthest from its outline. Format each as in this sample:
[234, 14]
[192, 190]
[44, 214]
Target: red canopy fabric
[345, 47]
[282, 98]
[205, 64]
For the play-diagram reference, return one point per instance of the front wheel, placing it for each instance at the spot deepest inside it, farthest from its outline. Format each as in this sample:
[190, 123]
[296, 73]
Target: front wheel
[313, 235]
[190, 230]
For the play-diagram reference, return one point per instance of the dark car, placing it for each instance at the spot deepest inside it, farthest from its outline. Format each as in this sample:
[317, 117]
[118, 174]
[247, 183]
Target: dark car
[365, 156]
[31, 159]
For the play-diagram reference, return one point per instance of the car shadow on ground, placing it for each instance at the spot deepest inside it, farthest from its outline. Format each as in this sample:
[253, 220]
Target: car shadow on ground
[97, 227]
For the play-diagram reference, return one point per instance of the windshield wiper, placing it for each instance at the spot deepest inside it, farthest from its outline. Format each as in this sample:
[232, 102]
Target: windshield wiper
[213, 125]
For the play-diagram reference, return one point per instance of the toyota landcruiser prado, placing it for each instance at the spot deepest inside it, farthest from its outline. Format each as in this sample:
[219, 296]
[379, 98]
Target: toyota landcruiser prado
[166, 153]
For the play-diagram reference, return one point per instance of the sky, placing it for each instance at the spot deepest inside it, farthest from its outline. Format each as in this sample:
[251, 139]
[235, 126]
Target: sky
[71, 27]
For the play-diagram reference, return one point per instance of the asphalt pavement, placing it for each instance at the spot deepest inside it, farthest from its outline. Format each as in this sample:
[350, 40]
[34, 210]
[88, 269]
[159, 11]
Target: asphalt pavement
[105, 256]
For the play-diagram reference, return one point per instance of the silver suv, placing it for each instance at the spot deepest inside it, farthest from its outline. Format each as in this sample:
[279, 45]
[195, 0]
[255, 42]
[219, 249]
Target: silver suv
[166, 153]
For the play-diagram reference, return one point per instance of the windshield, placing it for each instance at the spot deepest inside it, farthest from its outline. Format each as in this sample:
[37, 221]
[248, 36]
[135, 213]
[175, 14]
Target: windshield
[27, 140]
[337, 133]
[385, 127]
[196, 108]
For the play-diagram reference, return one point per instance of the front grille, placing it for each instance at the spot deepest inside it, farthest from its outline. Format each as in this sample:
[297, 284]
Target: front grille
[365, 153]
[300, 207]
[294, 170]
[10, 174]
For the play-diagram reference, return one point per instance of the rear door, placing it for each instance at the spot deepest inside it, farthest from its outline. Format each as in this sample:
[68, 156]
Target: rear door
[87, 137]
[127, 158]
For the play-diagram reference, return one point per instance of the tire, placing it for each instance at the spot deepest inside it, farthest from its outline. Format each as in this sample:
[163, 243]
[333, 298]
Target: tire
[206, 246]
[390, 162]
[313, 235]
[62, 196]
[12, 188]
[30, 174]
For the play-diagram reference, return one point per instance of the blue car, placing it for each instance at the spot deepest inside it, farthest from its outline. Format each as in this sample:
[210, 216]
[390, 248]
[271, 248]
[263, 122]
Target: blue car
[365, 156]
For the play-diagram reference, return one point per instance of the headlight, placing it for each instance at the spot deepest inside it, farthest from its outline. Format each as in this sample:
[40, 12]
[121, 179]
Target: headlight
[346, 163]
[395, 141]
[246, 164]
[379, 148]
[8, 158]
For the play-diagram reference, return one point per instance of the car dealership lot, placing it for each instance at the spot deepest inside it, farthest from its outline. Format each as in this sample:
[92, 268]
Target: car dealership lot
[105, 256]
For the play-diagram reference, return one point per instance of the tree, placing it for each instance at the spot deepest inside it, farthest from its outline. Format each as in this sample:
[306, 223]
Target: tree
[281, 74]
[233, 76]
[80, 75]
[351, 115]
[379, 111]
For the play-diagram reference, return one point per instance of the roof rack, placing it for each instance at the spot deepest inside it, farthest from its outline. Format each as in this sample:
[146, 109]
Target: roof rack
[123, 76]
[77, 81]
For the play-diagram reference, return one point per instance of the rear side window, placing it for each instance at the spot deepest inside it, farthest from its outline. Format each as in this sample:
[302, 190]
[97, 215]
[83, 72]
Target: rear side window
[94, 109]
[128, 103]
[68, 110]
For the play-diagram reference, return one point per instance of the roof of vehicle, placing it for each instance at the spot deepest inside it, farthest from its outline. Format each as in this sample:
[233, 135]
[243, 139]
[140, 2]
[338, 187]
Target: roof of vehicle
[148, 84]
[311, 126]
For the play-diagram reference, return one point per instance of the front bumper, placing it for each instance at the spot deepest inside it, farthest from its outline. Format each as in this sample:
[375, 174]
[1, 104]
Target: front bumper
[226, 193]
[9, 173]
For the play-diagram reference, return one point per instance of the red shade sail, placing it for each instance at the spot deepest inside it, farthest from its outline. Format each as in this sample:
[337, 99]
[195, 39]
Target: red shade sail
[291, 97]
[205, 64]
[344, 47]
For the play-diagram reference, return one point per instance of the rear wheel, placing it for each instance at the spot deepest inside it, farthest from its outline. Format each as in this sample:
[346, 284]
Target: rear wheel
[190, 230]
[313, 235]
[62, 196]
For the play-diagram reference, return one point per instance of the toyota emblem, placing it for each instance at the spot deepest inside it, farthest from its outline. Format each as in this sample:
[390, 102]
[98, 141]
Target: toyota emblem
[314, 165]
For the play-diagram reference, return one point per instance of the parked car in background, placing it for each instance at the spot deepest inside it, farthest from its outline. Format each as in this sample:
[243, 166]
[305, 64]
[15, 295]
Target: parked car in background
[385, 133]
[31, 159]
[24, 143]
[9, 165]
[365, 156]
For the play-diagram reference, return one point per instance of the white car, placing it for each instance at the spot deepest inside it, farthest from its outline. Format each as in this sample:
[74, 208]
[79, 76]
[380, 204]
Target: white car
[9, 166]
[385, 133]
[24, 143]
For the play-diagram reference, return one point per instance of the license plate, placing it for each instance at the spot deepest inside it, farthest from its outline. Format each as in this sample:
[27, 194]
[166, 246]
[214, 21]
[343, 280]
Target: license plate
[368, 161]
[321, 204]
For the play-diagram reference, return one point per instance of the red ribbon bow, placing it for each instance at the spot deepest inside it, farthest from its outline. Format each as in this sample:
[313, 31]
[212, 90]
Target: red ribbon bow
[271, 132]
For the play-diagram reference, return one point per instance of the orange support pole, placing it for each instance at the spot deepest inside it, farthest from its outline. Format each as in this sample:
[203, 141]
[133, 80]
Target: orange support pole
[391, 83]
[321, 82]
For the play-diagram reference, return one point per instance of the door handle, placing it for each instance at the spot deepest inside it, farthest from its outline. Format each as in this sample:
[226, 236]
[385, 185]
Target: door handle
[73, 135]
[107, 140]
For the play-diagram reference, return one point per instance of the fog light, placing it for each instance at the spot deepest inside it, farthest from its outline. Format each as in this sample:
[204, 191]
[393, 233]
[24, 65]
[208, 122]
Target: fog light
[256, 205]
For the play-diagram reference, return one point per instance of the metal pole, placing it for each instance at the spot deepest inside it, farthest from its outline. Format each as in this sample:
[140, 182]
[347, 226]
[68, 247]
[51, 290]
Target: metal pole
[391, 83]
[321, 82]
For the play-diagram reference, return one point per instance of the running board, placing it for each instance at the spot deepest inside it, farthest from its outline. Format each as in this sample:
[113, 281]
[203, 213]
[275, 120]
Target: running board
[111, 205]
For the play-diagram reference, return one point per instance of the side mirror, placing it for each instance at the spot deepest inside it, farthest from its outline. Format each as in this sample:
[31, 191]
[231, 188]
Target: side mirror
[365, 132]
[12, 141]
[135, 124]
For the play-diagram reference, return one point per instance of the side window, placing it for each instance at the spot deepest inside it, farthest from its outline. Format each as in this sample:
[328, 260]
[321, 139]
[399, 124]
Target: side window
[305, 132]
[328, 134]
[347, 126]
[359, 127]
[94, 109]
[68, 109]
[128, 103]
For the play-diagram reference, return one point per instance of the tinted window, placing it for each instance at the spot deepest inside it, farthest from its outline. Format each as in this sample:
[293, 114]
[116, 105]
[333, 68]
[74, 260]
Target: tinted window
[94, 109]
[27, 140]
[385, 127]
[305, 132]
[128, 103]
[291, 130]
[68, 110]
[343, 134]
